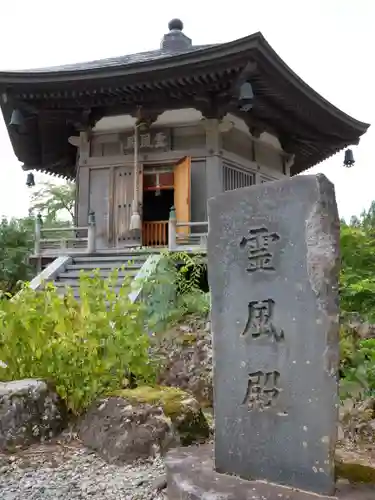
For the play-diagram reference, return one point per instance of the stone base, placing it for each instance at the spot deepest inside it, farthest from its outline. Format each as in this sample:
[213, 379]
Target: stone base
[191, 476]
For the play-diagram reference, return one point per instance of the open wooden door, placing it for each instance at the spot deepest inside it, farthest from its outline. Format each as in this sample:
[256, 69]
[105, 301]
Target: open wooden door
[182, 193]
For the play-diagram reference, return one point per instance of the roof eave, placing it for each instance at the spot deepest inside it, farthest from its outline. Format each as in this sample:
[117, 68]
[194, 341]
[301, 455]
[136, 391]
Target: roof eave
[289, 75]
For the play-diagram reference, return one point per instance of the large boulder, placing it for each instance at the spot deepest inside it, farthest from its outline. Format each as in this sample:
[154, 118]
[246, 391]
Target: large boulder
[185, 355]
[138, 423]
[30, 411]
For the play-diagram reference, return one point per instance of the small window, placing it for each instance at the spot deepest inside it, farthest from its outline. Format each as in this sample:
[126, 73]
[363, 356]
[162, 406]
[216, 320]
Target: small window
[235, 178]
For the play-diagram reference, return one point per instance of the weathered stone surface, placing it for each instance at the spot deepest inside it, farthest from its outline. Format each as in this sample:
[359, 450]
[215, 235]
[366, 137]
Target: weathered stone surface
[191, 476]
[273, 257]
[356, 465]
[186, 360]
[29, 412]
[141, 422]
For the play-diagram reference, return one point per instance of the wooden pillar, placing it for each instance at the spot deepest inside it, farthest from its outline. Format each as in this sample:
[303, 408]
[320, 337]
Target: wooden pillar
[82, 180]
[37, 248]
[213, 159]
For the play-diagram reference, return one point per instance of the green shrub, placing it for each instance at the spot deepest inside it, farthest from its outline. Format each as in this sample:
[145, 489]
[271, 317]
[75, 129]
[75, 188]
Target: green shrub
[357, 365]
[173, 290]
[85, 348]
[15, 247]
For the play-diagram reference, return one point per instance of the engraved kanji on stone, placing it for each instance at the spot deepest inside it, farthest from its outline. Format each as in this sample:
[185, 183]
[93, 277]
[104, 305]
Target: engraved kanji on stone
[262, 390]
[260, 320]
[260, 254]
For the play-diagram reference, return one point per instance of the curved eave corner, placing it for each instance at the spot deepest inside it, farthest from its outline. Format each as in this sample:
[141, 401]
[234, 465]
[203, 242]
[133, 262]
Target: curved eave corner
[300, 85]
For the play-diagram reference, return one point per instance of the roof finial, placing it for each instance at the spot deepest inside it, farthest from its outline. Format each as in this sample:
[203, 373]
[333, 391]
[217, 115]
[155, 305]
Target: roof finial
[176, 24]
[175, 40]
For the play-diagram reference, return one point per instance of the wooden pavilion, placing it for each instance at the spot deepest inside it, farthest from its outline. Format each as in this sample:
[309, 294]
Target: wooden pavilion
[170, 127]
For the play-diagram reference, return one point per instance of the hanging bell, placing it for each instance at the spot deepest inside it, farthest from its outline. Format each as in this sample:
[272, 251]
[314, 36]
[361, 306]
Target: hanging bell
[246, 97]
[30, 181]
[16, 120]
[349, 158]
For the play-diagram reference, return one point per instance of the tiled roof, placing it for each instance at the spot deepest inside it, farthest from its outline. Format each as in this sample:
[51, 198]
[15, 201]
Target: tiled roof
[112, 62]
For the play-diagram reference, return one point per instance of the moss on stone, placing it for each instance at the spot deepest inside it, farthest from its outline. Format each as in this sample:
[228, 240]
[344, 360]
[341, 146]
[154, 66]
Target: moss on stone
[355, 472]
[169, 398]
[182, 408]
[356, 466]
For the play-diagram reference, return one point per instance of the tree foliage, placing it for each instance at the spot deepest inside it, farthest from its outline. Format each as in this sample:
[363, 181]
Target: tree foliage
[357, 296]
[357, 279]
[17, 235]
[54, 201]
[15, 246]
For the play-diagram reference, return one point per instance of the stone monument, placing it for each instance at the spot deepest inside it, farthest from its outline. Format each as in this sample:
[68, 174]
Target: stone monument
[273, 272]
[273, 265]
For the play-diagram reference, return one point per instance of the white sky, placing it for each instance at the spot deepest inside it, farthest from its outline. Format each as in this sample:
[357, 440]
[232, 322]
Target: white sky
[328, 43]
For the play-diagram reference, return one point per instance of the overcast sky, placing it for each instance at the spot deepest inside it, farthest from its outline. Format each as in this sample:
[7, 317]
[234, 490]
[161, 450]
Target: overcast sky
[328, 43]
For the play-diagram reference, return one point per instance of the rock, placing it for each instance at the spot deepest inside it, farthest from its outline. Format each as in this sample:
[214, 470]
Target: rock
[30, 411]
[187, 361]
[142, 422]
[159, 483]
[358, 420]
[355, 466]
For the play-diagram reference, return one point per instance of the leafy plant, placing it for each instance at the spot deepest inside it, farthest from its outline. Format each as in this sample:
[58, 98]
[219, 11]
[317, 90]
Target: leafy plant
[85, 348]
[357, 278]
[15, 246]
[357, 365]
[191, 268]
[174, 290]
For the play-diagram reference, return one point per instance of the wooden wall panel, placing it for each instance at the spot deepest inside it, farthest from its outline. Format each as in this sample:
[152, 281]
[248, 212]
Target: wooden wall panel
[83, 195]
[268, 156]
[99, 202]
[191, 137]
[241, 144]
[198, 193]
[122, 208]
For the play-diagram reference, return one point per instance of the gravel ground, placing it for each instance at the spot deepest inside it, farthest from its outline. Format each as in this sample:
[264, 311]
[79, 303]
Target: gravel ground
[62, 472]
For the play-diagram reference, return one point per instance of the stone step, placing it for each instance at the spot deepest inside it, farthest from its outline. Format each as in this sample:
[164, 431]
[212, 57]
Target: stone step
[102, 266]
[61, 287]
[74, 270]
[118, 259]
[73, 282]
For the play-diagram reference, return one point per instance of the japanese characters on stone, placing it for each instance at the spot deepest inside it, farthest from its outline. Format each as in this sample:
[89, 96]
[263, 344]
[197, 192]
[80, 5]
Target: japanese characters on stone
[262, 388]
[260, 249]
[260, 321]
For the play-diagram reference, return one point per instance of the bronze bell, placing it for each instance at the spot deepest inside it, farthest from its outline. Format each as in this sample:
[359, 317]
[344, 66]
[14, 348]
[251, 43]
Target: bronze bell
[16, 120]
[246, 97]
[30, 181]
[349, 158]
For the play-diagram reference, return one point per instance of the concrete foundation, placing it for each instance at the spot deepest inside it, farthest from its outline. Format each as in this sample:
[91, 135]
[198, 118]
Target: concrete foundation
[191, 476]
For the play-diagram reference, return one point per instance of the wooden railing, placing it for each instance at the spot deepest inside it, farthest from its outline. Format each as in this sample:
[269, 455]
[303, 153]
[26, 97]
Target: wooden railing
[62, 240]
[155, 234]
[181, 236]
